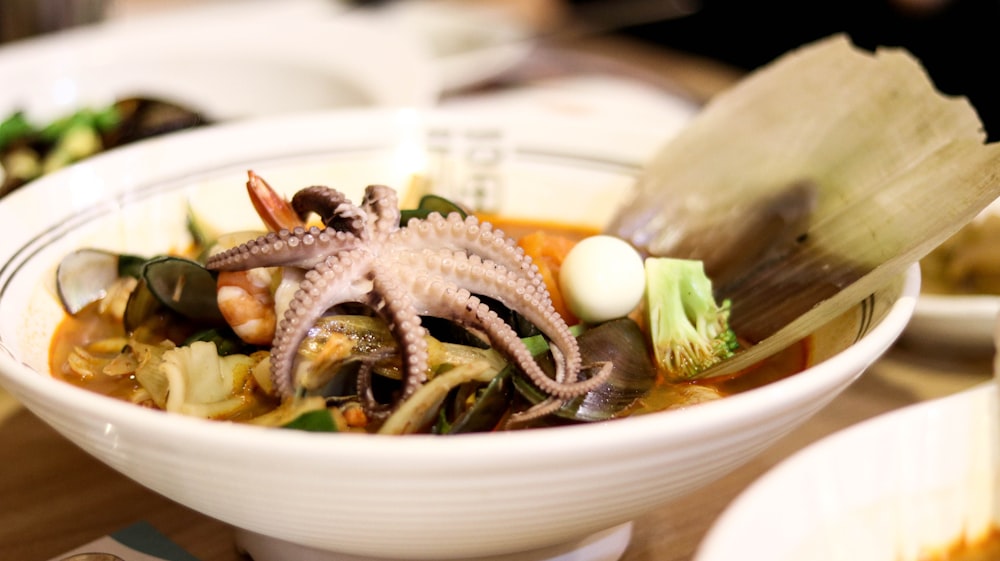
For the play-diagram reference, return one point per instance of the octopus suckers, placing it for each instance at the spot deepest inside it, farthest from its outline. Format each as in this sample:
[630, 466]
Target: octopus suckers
[432, 266]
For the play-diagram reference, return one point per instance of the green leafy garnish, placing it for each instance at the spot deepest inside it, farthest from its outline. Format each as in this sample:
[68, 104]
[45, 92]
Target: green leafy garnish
[313, 421]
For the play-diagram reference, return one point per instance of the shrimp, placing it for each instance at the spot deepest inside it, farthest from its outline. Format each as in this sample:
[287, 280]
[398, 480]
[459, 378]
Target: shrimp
[247, 298]
[276, 212]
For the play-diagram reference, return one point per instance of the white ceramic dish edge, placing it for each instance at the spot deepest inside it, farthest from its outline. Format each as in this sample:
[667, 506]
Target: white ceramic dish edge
[895, 487]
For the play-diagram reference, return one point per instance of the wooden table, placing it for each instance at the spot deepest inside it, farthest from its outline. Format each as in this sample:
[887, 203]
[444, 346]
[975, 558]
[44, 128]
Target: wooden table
[54, 497]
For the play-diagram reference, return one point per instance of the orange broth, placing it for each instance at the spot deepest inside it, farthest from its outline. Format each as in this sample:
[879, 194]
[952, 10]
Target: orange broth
[985, 548]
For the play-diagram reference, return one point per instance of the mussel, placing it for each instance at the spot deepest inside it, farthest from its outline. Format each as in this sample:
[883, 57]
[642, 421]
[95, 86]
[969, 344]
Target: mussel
[87, 275]
[181, 286]
[622, 343]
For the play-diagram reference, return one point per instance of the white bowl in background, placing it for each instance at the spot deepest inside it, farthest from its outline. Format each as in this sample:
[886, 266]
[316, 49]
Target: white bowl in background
[959, 323]
[427, 497]
[898, 487]
[226, 61]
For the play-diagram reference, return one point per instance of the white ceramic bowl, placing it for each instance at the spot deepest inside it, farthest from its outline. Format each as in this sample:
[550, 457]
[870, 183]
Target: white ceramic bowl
[394, 497]
[228, 61]
[897, 487]
[960, 323]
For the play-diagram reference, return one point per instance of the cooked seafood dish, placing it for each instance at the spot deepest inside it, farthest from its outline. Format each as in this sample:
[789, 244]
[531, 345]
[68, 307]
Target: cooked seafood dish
[29, 150]
[360, 316]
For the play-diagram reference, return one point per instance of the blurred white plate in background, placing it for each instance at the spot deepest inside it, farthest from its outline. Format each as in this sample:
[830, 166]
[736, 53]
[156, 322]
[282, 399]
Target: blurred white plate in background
[595, 97]
[225, 60]
[895, 487]
[469, 44]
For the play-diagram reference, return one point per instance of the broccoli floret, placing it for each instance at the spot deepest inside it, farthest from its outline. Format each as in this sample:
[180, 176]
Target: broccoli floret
[689, 331]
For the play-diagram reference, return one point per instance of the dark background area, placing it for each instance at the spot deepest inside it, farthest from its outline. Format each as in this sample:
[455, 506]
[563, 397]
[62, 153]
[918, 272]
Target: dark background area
[956, 40]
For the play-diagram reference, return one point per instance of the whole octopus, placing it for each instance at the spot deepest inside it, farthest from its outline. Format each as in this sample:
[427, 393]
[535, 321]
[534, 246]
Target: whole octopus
[434, 266]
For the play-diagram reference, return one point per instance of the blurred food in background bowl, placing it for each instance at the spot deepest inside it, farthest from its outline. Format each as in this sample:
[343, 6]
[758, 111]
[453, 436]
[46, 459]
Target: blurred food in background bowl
[418, 496]
[960, 290]
[214, 63]
[29, 150]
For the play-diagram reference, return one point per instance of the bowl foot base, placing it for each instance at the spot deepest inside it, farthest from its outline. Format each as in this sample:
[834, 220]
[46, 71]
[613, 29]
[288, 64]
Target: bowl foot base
[606, 545]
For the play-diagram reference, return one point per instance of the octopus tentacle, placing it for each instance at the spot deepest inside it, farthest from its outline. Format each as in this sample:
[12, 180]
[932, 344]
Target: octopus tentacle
[338, 279]
[297, 248]
[372, 408]
[551, 404]
[333, 207]
[444, 299]
[507, 342]
[525, 294]
[536, 411]
[382, 206]
[391, 300]
[464, 234]
[475, 239]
